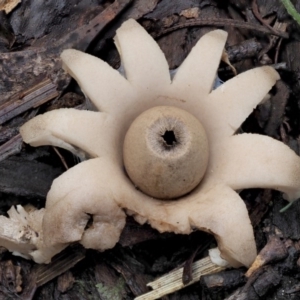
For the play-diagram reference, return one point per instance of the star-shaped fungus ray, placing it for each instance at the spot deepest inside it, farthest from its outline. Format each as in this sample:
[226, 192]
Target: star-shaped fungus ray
[232, 102]
[88, 190]
[220, 206]
[78, 131]
[256, 161]
[146, 67]
[195, 77]
[108, 90]
[224, 109]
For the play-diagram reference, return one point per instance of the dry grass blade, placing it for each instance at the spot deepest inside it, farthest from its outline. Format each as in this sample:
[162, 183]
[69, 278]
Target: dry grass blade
[172, 282]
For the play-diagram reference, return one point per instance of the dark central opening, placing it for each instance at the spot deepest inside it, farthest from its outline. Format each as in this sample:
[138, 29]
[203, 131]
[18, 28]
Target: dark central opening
[169, 137]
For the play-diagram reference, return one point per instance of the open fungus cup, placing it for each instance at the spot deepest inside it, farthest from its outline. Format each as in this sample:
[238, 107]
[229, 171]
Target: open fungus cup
[161, 150]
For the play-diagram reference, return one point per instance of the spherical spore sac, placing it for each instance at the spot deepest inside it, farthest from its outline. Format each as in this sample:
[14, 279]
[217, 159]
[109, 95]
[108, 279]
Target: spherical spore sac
[165, 152]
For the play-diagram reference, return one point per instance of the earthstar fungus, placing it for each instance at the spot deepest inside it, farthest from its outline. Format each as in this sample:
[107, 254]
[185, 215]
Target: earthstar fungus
[186, 113]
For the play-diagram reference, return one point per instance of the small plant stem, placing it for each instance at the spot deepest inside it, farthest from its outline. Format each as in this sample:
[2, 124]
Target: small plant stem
[291, 10]
[285, 208]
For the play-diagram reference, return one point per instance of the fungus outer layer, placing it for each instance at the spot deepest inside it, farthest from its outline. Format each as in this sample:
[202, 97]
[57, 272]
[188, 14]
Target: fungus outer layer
[166, 152]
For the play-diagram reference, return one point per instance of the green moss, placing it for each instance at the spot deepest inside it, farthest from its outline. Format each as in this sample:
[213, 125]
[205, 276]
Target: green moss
[112, 293]
[82, 289]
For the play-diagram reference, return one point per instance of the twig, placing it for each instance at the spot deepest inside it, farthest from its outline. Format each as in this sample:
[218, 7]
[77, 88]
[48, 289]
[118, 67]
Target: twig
[61, 157]
[259, 17]
[221, 22]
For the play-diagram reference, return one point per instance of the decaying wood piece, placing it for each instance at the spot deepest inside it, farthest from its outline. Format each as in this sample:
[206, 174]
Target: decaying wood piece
[246, 49]
[65, 282]
[172, 282]
[131, 270]
[274, 250]
[15, 179]
[42, 274]
[278, 105]
[7, 37]
[273, 267]
[30, 98]
[60, 264]
[21, 70]
[223, 280]
[13, 146]
[10, 277]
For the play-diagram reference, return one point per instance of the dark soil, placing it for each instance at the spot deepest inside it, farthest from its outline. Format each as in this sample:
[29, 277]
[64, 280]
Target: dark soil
[31, 38]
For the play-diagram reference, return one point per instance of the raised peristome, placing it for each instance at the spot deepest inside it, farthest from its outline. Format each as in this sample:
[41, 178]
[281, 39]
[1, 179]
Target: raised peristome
[166, 152]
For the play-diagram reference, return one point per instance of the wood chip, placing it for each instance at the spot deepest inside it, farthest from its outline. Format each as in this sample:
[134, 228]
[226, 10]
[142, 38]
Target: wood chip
[15, 179]
[191, 13]
[60, 264]
[172, 282]
[33, 97]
